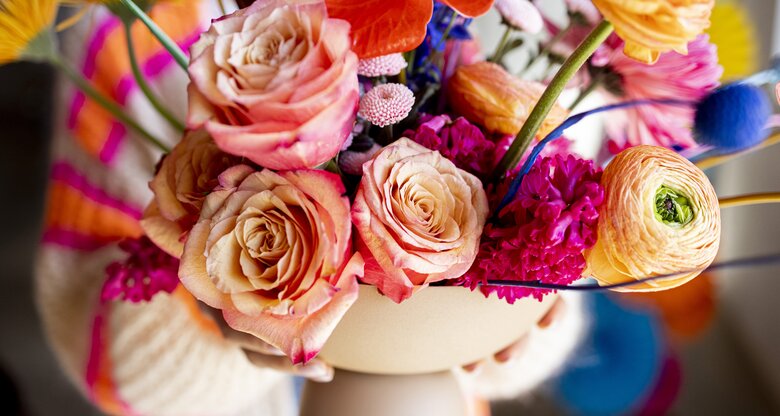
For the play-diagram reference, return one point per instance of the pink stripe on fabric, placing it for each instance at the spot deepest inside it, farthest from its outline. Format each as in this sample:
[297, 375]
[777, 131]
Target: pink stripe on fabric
[64, 172]
[88, 69]
[113, 143]
[95, 348]
[72, 240]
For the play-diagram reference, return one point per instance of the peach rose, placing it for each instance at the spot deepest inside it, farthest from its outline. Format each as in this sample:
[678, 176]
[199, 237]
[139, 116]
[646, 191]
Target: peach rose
[270, 250]
[276, 83]
[185, 177]
[419, 218]
[486, 94]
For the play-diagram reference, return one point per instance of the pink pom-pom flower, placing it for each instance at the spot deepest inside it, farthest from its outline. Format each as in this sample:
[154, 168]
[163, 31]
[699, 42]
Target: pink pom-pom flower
[386, 104]
[382, 65]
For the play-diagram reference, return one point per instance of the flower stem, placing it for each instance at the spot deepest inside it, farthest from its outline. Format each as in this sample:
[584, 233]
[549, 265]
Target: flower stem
[221, 5]
[547, 49]
[712, 161]
[499, 52]
[752, 199]
[105, 102]
[592, 85]
[178, 55]
[550, 95]
[144, 86]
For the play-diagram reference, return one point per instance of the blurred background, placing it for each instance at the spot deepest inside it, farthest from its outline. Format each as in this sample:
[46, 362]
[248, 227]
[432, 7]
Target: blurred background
[709, 347]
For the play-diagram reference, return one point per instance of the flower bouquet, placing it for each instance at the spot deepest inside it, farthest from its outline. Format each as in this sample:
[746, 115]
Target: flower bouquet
[353, 177]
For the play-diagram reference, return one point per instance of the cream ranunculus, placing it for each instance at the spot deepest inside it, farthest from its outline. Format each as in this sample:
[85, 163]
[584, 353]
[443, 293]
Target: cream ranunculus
[419, 218]
[185, 177]
[276, 83]
[270, 250]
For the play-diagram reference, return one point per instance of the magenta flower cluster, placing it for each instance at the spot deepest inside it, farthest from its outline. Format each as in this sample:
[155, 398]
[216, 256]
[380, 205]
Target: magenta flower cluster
[459, 141]
[542, 233]
[145, 272]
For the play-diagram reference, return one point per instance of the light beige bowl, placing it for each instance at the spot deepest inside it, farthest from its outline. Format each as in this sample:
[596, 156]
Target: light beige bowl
[438, 328]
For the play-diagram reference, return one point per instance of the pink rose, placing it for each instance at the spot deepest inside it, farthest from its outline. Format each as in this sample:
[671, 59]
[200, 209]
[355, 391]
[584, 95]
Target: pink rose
[185, 176]
[419, 218]
[270, 250]
[276, 83]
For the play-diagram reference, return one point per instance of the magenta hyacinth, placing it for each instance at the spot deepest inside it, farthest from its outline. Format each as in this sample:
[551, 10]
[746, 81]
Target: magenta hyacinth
[540, 236]
[459, 141]
[145, 272]
[674, 76]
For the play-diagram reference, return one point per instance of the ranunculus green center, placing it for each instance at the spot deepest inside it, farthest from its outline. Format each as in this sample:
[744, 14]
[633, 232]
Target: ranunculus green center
[672, 207]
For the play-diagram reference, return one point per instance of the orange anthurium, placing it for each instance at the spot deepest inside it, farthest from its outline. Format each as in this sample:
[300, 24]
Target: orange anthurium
[380, 27]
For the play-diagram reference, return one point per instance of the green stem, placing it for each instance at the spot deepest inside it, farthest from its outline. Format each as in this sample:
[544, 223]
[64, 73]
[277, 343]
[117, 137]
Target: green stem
[105, 102]
[144, 86]
[178, 55]
[546, 49]
[443, 39]
[592, 85]
[499, 53]
[222, 7]
[550, 95]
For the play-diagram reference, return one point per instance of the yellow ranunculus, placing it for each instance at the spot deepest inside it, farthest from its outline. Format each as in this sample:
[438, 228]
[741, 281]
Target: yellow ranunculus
[651, 27]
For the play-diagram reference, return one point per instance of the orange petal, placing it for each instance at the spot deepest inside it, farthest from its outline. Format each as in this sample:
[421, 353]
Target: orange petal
[381, 27]
[469, 8]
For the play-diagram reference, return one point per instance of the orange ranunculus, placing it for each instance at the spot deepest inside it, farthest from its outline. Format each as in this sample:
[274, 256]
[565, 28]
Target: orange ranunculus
[380, 27]
[651, 27]
[661, 216]
[487, 95]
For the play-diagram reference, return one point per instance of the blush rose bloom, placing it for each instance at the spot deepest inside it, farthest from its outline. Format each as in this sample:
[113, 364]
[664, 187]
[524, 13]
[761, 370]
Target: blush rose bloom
[419, 218]
[276, 83]
[270, 250]
[184, 178]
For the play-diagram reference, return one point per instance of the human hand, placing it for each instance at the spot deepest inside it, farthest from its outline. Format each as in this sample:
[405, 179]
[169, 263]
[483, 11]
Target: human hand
[513, 351]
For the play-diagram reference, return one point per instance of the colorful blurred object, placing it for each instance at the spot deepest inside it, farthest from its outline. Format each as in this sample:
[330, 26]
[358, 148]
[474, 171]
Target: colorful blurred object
[733, 32]
[619, 364]
[685, 311]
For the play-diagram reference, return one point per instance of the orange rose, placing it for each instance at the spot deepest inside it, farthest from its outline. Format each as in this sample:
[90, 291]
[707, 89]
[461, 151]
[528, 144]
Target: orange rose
[419, 217]
[487, 95]
[270, 250]
[185, 177]
[276, 83]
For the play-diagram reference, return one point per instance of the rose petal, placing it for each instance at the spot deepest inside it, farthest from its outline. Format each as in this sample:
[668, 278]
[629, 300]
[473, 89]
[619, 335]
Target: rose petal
[301, 338]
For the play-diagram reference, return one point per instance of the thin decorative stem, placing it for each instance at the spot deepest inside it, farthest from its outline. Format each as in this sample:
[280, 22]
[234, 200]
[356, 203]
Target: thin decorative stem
[752, 199]
[221, 5]
[584, 93]
[106, 102]
[594, 287]
[550, 95]
[712, 161]
[178, 55]
[547, 48]
[144, 86]
[499, 52]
